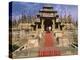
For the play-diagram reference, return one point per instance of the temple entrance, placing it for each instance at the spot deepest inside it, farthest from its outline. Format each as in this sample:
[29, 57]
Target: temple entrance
[48, 23]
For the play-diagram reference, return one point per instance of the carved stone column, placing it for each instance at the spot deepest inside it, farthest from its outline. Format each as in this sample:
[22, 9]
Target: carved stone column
[53, 26]
[42, 25]
[57, 20]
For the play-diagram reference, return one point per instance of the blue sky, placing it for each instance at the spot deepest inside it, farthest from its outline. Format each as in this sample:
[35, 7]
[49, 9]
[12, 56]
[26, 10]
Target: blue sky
[31, 9]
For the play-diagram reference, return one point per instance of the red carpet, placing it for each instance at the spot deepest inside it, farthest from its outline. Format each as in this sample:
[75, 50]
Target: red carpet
[49, 42]
[49, 52]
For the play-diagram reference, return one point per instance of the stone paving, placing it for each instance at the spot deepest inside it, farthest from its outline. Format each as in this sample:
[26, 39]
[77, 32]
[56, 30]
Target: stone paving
[63, 45]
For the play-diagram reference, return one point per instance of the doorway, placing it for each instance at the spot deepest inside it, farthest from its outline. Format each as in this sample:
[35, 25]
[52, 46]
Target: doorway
[48, 23]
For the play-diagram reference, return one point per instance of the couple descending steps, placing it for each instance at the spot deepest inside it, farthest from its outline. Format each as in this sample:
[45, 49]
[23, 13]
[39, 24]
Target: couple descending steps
[49, 46]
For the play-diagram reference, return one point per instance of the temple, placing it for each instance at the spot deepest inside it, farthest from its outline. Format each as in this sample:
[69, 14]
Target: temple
[47, 17]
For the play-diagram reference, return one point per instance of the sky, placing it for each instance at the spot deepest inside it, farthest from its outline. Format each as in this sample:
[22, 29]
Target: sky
[31, 9]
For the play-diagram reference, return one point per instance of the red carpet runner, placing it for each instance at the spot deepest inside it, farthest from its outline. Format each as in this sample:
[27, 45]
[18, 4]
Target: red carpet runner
[48, 43]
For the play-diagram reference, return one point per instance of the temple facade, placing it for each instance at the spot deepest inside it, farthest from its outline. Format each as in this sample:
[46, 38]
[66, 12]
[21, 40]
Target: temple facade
[47, 17]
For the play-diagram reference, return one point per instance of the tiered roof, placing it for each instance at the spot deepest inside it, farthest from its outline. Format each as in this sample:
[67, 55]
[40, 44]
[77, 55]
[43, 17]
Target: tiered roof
[47, 12]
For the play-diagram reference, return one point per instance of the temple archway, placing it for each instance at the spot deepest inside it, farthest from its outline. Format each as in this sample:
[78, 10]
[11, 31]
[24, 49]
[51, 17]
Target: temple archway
[47, 23]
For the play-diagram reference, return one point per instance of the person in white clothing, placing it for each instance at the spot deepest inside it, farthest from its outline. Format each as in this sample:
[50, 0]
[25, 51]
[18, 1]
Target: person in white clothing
[49, 28]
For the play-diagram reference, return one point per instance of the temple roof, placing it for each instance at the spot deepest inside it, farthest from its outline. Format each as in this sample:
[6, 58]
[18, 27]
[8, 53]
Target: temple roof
[48, 11]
